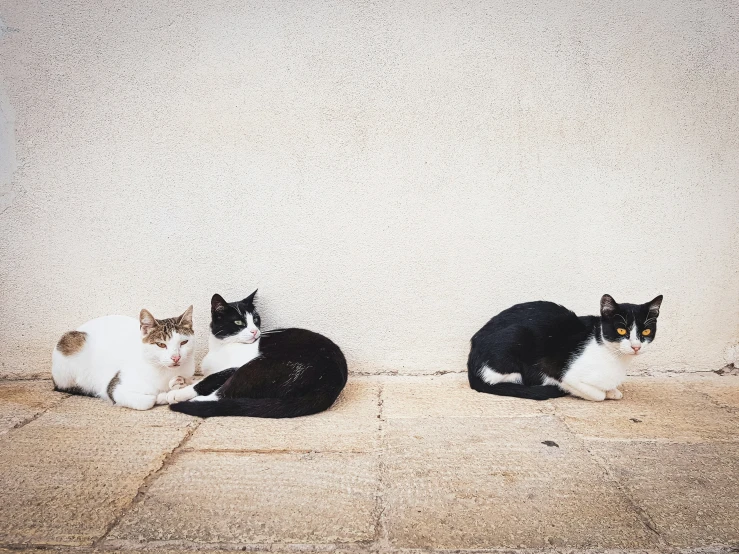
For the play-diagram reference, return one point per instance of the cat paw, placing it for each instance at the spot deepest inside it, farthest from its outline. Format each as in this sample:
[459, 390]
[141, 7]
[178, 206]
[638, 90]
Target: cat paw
[614, 394]
[177, 383]
[161, 399]
[172, 397]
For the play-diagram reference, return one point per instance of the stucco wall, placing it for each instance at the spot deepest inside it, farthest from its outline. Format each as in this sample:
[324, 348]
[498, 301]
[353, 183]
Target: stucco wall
[389, 173]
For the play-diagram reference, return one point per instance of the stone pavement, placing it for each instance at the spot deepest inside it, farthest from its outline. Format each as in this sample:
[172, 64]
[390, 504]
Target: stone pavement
[398, 464]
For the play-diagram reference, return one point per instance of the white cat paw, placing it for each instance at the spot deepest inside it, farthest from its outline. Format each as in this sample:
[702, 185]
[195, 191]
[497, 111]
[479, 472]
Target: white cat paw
[161, 399]
[177, 383]
[172, 397]
[614, 394]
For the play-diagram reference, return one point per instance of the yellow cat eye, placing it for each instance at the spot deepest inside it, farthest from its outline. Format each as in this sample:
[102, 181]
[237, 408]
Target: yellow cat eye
[239, 323]
[161, 345]
[183, 342]
[646, 332]
[621, 331]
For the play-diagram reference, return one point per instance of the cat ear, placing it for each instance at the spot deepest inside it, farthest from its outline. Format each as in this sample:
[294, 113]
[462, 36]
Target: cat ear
[217, 305]
[186, 318]
[146, 321]
[654, 306]
[608, 306]
[249, 300]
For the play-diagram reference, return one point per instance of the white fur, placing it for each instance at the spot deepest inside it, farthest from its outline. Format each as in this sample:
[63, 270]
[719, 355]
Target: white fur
[113, 346]
[212, 397]
[233, 351]
[492, 377]
[597, 371]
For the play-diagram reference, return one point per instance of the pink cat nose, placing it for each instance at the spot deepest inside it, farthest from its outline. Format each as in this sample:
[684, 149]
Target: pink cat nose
[636, 349]
[254, 332]
[176, 358]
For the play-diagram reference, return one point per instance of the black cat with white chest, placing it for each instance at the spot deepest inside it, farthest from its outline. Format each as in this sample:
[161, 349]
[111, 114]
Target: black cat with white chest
[271, 374]
[541, 350]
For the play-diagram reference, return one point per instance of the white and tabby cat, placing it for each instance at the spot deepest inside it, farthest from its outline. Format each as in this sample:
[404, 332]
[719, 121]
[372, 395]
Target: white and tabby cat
[126, 361]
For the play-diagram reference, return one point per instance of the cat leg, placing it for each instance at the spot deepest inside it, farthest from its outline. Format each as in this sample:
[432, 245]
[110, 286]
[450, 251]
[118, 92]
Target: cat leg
[177, 395]
[179, 382]
[134, 400]
[614, 394]
[583, 390]
[205, 387]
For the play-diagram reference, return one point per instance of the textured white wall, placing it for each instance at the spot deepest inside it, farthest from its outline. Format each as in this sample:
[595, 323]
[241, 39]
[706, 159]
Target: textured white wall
[389, 173]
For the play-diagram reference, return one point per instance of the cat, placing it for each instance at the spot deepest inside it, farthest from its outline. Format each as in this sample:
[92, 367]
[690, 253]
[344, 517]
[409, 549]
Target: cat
[273, 374]
[125, 361]
[233, 341]
[541, 350]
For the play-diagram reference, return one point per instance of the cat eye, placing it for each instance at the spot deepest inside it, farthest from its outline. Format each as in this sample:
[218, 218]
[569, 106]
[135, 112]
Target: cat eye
[621, 331]
[239, 322]
[646, 332]
[184, 342]
[161, 345]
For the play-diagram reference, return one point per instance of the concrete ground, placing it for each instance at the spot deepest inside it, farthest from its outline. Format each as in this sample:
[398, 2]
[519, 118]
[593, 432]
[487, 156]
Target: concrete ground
[400, 463]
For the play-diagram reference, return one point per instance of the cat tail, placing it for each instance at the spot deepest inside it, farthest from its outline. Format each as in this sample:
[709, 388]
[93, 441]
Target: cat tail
[275, 408]
[536, 392]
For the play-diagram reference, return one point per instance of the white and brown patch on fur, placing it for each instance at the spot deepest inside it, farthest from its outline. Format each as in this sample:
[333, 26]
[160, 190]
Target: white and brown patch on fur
[161, 330]
[71, 342]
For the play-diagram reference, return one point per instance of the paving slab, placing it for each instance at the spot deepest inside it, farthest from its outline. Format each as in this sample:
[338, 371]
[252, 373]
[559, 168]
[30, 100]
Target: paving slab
[229, 497]
[652, 409]
[690, 491]
[350, 425]
[497, 483]
[724, 390]
[21, 401]
[65, 476]
[450, 396]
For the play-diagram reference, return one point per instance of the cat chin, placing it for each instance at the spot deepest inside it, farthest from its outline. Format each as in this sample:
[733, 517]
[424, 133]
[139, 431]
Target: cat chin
[237, 339]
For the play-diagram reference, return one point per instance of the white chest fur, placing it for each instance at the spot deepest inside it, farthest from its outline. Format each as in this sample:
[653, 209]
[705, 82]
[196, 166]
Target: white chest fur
[222, 355]
[597, 366]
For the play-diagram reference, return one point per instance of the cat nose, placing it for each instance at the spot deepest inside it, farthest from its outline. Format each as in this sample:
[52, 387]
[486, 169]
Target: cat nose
[636, 348]
[176, 358]
[254, 332]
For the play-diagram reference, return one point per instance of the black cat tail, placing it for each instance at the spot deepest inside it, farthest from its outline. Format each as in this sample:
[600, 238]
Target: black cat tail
[275, 408]
[537, 392]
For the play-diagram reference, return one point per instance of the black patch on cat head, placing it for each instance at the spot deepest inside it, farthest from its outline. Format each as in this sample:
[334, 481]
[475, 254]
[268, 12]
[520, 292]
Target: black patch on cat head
[225, 315]
[616, 316]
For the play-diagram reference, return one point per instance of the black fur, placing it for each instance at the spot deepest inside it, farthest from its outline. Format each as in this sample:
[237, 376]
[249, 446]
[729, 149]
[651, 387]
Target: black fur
[540, 339]
[227, 318]
[535, 392]
[74, 390]
[297, 372]
[213, 382]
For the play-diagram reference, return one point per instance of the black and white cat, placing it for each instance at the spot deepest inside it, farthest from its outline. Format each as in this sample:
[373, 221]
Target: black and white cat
[541, 350]
[273, 374]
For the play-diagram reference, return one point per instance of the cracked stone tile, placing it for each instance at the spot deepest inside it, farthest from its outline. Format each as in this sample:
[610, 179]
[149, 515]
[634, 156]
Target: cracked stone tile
[690, 491]
[22, 400]
[230, 497]
[65, 476]
[667, 409]
[501, 483]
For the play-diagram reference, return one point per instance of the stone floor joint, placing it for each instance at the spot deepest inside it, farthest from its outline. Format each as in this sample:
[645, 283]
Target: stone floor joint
[169, 459]
[641, 514]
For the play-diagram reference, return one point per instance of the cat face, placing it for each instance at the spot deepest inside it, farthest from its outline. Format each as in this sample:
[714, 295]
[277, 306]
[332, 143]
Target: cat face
[629, 328]
[167, 342]
[235, 322]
